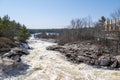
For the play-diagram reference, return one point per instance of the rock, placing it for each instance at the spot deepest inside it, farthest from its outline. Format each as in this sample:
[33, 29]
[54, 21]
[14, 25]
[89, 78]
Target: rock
[68, 55]
[118, 58]
[63, 50]
[104, 61]
[13, 56]
[92, 61]
[25, 45]
[24, 51]
[114, 65]
[80, 58]
[16, 53]
[19, 51]
[96, 62]
[9, 54]
[54, 47]
[88, 53]
[16, 58]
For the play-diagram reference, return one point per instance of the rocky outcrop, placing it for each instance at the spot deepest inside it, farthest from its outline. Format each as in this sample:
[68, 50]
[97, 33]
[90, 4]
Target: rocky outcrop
[25, 45]
[88, 53]
[10, 60]
[16, 53]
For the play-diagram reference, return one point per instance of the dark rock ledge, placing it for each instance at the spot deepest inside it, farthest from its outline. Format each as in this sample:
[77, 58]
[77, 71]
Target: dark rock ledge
[92, 54]
[11, 63]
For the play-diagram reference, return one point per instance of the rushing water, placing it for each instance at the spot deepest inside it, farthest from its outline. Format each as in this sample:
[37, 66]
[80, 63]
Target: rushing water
[51, 65]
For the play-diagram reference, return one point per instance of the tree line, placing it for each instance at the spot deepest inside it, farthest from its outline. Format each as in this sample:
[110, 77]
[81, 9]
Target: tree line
[85, 29]
[12, 29]
[32, 31]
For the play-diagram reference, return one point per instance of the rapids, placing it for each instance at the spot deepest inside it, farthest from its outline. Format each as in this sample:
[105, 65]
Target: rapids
[51, 65]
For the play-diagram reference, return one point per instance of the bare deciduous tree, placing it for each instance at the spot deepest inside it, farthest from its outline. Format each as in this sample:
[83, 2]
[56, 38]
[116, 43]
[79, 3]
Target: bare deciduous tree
[116, 14]
[79, 29]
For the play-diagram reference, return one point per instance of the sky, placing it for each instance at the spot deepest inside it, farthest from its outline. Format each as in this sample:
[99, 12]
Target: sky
[49, 14]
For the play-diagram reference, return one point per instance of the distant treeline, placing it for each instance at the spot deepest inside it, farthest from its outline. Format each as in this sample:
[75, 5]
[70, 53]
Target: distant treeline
[32, 31]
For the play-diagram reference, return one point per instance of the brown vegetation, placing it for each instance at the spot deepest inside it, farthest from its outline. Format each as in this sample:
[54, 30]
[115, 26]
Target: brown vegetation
[6, 43]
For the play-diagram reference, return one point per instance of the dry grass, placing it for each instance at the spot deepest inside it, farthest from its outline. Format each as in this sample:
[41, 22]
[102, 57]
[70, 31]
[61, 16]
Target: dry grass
[6, 43]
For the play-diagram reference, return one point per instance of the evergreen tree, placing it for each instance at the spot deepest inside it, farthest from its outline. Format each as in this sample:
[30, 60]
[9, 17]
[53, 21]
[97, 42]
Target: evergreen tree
[11, 29]
[23, 34]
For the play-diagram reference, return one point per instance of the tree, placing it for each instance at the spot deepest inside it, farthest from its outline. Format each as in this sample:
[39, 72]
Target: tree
[79, 29]
[0, 27]
[11, 29]
[102, 20]
[116, 14]
[23, 34]
[99, 27]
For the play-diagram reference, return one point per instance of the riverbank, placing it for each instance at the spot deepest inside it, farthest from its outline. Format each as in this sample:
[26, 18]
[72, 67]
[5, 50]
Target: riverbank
[90, 53]
[10, 58]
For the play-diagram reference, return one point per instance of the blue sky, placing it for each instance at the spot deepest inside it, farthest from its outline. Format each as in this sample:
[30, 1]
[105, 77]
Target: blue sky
[45, 14]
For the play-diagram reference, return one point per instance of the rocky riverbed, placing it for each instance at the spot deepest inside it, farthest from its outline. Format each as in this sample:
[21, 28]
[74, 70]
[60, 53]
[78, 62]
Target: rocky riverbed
[52, 65]
[90, 53]
[10, 61]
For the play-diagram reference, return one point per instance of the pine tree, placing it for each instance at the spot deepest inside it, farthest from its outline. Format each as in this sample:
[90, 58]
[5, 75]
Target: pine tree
[23, 34]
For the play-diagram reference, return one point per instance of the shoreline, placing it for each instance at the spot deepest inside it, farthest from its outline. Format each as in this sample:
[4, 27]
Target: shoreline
[85, 52]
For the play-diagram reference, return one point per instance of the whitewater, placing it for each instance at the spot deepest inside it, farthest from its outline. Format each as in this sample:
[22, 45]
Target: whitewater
[51, 65]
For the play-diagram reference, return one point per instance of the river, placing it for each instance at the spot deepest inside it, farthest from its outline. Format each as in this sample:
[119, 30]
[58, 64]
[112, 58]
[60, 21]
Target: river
[51, 65]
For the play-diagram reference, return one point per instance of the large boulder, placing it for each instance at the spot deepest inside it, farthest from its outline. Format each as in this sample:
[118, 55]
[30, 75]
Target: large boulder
[25, 45]
[16, 53]
[118, 58]
[16, 58]
[68, 55]
[104, 61]
[80, 58]
[114, 64]
[19, 51]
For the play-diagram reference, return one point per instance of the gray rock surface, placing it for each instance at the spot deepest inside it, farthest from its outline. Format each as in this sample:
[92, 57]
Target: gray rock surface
[16, 53]
[89, 53]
